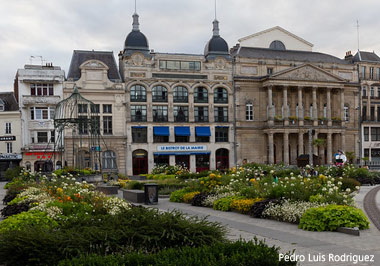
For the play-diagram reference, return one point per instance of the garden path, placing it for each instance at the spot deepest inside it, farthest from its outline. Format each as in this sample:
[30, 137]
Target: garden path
[288, 236]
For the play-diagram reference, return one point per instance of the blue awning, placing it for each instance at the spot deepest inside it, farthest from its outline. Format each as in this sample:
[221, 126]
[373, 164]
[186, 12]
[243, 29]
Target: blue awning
[202, 131]
[182, 131]
[161, 131]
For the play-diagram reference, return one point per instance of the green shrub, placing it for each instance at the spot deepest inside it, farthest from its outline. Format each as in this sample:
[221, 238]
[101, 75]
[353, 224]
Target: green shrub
[27, 219]
[137, 229]
[224, 204]
[349, 183]
[331, 217]
[135, 185]
[177, 196]
[222, 254]
[11, 173]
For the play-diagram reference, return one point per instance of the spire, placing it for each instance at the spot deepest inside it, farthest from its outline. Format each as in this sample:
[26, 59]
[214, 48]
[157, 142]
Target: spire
[215, 30]
[135, 23]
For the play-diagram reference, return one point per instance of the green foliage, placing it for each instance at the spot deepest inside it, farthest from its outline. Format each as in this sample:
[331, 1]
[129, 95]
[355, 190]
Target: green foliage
[177, 196]
[135, 185]
[11, 173]
[136, 229]
[222, 254]
[74, 172]
[331, 217]
[349, 183]
[25, 220]
[224, 204]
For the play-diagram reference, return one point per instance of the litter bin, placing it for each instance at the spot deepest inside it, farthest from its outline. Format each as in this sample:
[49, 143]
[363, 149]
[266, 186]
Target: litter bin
[151, 193]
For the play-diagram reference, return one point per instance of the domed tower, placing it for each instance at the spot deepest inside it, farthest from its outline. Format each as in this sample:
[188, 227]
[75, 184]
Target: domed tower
[216, 46]
[136, 40]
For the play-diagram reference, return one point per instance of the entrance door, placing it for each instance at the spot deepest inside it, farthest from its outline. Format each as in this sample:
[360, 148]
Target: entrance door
[43, 166]
[202, 162]
[222, 159]
[183, 160]
[140, 162]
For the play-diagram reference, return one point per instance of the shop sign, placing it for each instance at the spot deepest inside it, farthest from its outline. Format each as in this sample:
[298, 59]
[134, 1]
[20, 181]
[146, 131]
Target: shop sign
[7, 138]
[182, 148]
[10, 156]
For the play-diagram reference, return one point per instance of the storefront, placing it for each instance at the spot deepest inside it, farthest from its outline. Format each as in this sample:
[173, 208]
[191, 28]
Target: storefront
[8, 161]
[42, 161]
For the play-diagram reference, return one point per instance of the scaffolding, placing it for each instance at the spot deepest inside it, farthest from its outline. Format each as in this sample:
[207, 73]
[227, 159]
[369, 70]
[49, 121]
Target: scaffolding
[77, 121]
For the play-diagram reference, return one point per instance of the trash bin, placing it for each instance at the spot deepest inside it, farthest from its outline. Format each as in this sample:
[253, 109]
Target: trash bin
[151, 193]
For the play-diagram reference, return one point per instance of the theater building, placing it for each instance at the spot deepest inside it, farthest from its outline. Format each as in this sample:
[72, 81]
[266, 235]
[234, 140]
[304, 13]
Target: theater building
[284, 90]
[179, 107]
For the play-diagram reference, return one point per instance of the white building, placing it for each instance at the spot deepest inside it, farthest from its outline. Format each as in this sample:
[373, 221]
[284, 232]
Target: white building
[38, 89]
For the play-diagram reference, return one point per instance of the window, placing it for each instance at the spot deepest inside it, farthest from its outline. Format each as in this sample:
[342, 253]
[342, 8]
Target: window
[28, 166]
[52, 136]
[372, 92]
[378, 113]
[159, 94]
[9, 147]
[8, 128]
[181, 114]
[180, 65]
[180, 95]
[378, 73]
[109, 160]
[139, 134]
[364, 113]
[138, 113]
[346, 113]
[269, 70]
[366, 134]
[325, 110]
[41, 89]
[82, 108]
[311, 111]
[83, 126]
[363, 72]
[375, 133]
[201, 114]
[364, 91]
[42, 137]
[371, 72]
[2, 108]
[107, 108]
[95, 124]
[160, 139]
[107, 125]
[95, 108]
[282, 111]
[138, 93]
[200, 95]
[277, 45]
[372, 113]
[220, 95]
[366, 152]
[221, 114]
[221, 134]
[181, 138]
[42, 113]
[299, 111]
[160, 113]
[249, 112]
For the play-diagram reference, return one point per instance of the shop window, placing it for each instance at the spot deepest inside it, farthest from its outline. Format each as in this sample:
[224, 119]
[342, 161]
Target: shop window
[202, 162]
[28, 166]
[139, 134]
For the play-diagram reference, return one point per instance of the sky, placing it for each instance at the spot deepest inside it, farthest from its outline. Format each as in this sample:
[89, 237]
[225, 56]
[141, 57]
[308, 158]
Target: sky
[54, 28]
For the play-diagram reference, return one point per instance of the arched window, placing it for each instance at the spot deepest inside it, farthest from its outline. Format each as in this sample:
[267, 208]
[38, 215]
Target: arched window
[249, 111]
[109, 160]
[325, 110]
[159, 94]
[220, 95]
[28, 166]
[277, 45]
[138, 93]
[200, 95]
[180, 94]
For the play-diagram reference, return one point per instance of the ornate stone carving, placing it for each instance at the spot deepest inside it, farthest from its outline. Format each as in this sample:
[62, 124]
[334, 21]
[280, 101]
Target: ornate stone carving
[220, 63]
[94, 64]
[137, 59]
[307, 73]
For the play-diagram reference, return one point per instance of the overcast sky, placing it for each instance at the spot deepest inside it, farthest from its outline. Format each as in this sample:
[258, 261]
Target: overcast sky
[54, 28]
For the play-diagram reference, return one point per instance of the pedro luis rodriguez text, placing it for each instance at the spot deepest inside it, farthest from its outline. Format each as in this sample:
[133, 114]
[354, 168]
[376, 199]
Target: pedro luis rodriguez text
[330, 257]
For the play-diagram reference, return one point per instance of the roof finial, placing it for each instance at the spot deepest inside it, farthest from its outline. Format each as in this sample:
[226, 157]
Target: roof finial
[357, 28]
[135, 23]
[215, 9]
[215, 30]
[135, 7]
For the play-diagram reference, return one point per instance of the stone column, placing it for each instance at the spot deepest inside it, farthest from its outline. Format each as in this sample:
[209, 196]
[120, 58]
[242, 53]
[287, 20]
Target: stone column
[342, 106]
[300, 107]
[328, 96]
[270, 105]
[286, 148]
[315, 109]
[343, 140]
[271, 148]
[300, 143]
[329, 148]
[285, 106]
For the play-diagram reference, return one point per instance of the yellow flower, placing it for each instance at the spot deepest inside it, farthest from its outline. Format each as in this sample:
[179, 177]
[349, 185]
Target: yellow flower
[212, 175]
[202, 182]
[59, 190]
[252, 180]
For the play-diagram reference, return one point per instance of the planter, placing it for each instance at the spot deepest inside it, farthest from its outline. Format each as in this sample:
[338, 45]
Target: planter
[108, 190]
[134, 195]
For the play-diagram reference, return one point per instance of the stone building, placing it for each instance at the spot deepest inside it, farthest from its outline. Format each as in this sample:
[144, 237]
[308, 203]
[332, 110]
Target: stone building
[179, 107]
[10, 132]
[38, 89]
[284, 91]
[97, 78]
[368, 65]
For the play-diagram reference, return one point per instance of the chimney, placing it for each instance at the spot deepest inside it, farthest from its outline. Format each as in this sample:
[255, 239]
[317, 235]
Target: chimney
[348, 56]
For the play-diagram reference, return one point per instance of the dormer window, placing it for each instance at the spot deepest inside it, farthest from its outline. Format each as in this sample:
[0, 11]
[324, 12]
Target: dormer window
[277, 45]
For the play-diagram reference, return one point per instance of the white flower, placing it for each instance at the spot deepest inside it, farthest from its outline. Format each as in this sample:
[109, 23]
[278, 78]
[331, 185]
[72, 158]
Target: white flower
[348, 190]
[357, 187]
[271, 171]
[324, 189]
[339, 183]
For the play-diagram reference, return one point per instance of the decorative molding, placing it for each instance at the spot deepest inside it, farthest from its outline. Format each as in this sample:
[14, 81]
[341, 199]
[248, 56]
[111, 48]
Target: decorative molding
[307, 73]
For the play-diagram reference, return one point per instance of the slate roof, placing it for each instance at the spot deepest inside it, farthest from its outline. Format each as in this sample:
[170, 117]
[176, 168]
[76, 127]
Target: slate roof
[9, 99]
[366, 57]
[136, 40]
[81, 56]
[216, 45]
[290, 55]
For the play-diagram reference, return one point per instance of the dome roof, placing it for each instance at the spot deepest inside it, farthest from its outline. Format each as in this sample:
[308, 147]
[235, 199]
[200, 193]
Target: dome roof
[136, 40]
[216, 45]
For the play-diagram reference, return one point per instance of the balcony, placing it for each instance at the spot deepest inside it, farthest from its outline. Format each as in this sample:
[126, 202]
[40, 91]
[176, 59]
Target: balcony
[48, 100]
[41, 124]
[39, 147]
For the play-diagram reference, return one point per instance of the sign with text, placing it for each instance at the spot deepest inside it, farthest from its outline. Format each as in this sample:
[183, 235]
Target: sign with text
[182, 148]
[7, 138]
[10, 156]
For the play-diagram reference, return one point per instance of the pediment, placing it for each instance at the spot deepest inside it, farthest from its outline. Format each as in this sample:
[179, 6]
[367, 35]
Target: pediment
[307, 73]
[93, 64]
